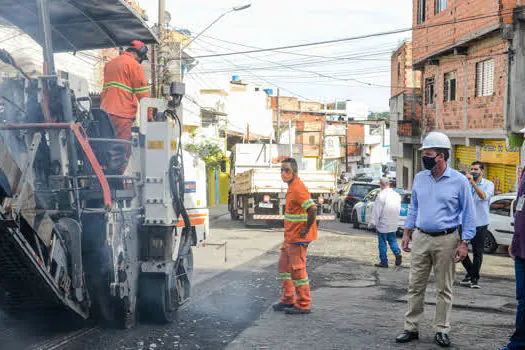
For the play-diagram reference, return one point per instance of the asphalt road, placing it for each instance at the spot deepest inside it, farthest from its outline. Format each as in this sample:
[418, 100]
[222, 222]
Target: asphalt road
[355, 304]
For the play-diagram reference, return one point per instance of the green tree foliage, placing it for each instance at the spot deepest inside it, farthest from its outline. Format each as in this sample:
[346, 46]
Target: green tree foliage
[209, 152]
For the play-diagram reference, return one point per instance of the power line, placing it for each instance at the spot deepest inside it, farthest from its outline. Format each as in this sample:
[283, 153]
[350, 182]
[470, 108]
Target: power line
[265, 80]
[312, 72]
[358, 37]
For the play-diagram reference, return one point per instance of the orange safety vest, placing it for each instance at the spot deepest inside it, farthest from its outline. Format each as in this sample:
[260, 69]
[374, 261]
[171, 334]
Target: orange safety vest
[124, 84]
[298, 200]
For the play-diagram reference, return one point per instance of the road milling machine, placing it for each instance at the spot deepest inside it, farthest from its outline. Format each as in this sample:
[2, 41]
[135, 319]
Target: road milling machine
[75, 235]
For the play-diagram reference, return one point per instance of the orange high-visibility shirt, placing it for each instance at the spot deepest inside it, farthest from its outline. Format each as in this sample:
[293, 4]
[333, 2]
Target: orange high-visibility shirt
[124, 84]
[298, 200]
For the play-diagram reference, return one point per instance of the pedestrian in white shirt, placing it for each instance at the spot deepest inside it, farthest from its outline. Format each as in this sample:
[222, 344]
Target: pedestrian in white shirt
[385, 218]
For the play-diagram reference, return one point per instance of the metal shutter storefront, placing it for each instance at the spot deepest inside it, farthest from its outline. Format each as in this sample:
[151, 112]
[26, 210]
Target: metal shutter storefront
[503, 176]
[464, 157]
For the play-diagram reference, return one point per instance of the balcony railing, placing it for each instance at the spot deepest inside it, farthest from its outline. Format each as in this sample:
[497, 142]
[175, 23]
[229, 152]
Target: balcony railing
[408, 128]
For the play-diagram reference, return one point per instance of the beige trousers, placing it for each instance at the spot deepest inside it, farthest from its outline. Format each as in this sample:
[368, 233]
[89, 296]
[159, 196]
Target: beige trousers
[438, 253]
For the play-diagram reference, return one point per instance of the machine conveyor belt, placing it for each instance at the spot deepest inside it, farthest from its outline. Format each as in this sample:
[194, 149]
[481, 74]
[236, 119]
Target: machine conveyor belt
[25, 283]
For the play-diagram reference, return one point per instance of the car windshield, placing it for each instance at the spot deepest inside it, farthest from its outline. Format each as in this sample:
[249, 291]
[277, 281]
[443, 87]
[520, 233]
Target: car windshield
[360, 190]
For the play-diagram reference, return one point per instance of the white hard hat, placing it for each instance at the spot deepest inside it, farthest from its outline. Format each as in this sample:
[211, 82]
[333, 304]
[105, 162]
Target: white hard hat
[436, 140]
[522, 130]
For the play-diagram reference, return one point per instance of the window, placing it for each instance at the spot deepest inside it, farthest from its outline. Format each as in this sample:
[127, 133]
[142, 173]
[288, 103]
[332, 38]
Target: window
[371, 197]
[485, 78]
[440, 6]
[429, 91]
[398, 70]
[361, 190]
[501, 207]
[450, 87]
[311, 140]
[421, 11]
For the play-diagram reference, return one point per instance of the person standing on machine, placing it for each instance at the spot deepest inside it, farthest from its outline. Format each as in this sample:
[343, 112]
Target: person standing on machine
[124, 86]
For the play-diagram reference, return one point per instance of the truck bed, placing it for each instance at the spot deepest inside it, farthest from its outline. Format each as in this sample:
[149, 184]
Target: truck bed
[269, 181]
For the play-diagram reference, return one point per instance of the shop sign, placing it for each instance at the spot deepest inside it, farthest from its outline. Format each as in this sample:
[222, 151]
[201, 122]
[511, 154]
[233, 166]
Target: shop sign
[499, 154]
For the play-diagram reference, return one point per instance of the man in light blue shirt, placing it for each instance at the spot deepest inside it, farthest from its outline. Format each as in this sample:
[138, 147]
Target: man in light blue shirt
[441, 203]
[482, 191]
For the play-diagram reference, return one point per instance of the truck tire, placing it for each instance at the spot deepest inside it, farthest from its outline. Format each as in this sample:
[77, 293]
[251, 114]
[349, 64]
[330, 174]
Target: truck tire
[245, 215]
[233, 209]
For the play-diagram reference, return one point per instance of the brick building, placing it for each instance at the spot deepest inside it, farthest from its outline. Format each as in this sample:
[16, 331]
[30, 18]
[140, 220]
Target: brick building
[310, 121]
[405, 116]
[307, 118]
[465, 53]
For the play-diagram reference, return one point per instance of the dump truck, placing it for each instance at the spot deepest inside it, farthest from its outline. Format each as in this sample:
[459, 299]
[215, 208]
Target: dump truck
[257, 192]
[74, 236]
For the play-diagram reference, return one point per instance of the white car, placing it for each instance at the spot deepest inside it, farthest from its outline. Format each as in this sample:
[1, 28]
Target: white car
[363, 210]
[501, 226]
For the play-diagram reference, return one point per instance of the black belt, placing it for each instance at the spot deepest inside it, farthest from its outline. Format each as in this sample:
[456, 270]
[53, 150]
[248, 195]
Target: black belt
[439, 233]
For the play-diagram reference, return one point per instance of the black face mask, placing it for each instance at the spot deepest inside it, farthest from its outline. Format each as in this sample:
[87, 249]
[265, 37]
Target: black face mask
[475, 175]
[429, 163]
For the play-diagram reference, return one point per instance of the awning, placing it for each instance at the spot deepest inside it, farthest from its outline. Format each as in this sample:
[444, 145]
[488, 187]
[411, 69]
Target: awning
[80, 24]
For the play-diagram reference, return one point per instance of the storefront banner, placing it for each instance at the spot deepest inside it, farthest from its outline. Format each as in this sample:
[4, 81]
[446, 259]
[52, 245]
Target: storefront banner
[500, 154]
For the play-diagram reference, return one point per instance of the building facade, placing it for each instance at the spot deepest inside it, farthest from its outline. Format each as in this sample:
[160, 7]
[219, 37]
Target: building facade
[405, 116]
[467, 53]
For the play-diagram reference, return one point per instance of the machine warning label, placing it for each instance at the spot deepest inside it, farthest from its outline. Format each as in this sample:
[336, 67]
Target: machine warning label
[154, 144]
[190, 187]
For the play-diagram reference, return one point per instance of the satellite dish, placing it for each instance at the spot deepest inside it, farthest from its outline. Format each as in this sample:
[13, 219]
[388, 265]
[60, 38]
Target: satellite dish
[167, 18]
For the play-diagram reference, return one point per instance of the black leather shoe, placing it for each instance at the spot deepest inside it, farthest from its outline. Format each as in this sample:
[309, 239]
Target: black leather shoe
[407, 336]
[281, 306]
[442, 340]
[381, 265]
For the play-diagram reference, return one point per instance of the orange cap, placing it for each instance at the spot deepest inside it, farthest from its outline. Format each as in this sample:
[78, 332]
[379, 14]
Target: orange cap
[137, 44]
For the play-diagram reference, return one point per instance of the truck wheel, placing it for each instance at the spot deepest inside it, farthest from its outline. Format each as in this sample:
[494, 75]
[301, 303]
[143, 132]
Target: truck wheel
[355, 222]
[245, 215]
[490, 245]
[233, 209]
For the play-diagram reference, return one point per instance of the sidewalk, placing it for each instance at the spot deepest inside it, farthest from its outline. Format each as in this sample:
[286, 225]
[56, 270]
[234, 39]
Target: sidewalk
[218, 211]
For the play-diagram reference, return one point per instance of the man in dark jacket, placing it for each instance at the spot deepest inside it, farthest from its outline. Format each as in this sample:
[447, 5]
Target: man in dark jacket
[517, 250]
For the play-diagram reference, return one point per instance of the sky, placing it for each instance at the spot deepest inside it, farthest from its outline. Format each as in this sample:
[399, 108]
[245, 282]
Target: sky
[345, 70]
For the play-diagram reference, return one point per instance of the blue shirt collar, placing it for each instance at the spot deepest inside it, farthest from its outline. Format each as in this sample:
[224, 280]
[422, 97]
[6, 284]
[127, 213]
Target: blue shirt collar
[447, 173]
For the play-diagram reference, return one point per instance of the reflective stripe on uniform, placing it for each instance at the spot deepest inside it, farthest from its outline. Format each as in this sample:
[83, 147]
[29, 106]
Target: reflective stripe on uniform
[126, 88]
[141, 90]
[301, 282]
[286, 276]
[307, 204]
[296, 217]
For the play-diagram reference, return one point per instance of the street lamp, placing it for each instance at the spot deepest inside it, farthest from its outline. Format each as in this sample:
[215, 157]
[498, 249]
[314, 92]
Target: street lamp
[235, 8]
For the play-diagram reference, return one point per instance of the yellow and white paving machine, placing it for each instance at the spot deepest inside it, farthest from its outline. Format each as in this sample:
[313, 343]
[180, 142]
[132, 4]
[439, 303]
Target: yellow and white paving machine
[75, 236]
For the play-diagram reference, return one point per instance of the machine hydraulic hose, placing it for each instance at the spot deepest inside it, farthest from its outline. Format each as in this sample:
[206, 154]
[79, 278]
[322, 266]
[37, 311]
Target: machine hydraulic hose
[176, 178]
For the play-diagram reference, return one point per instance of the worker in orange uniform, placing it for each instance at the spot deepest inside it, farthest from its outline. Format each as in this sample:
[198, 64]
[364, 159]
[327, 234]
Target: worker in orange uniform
[300, 229]
[124, 85]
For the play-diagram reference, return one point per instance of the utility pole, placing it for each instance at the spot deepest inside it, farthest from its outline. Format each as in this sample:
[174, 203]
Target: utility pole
[162, 10]
[290, 137]
[346, 146]
[278, 116]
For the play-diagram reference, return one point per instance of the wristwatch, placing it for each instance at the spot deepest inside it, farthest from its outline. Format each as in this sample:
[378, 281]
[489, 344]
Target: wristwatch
[467, 241]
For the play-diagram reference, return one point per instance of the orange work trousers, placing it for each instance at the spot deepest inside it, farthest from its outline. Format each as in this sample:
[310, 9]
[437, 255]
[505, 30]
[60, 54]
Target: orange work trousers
[120, 152]
[294, 278]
